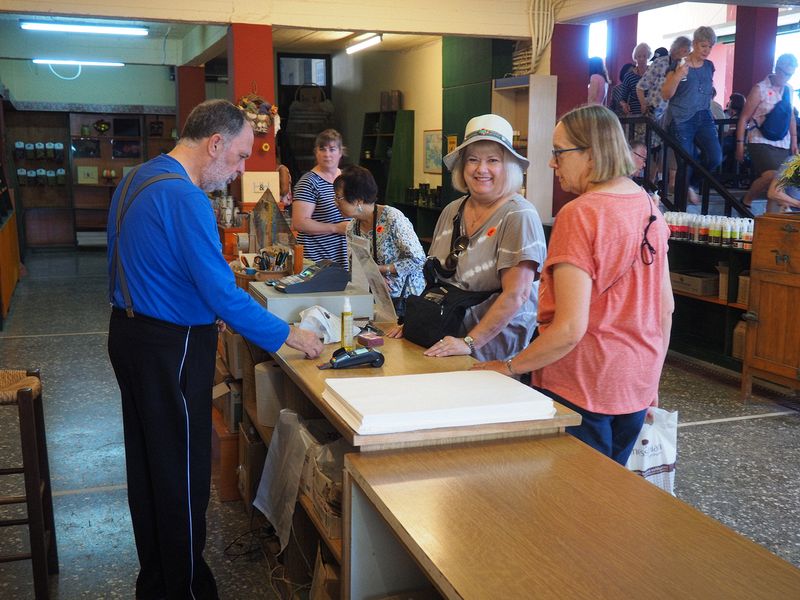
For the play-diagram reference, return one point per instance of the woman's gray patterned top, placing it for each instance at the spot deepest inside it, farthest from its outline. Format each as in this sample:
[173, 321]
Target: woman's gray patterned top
[509, 236]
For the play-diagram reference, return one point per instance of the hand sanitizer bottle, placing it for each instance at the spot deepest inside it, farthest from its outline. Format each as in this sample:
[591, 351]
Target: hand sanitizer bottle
[347, 325]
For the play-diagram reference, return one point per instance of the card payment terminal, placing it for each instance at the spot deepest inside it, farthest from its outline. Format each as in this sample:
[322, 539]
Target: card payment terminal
[324, 276]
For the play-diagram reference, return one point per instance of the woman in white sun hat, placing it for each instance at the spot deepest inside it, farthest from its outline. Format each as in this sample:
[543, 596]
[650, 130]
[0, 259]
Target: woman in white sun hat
[500, 244]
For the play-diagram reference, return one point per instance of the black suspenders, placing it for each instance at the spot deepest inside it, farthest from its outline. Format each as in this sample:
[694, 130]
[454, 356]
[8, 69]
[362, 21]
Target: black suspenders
[122, 208]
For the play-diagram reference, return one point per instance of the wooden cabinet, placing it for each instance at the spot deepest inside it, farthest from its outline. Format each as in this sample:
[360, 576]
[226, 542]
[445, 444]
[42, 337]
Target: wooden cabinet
[44, 202]
[387, 150]
[772, 347]
[103, 148]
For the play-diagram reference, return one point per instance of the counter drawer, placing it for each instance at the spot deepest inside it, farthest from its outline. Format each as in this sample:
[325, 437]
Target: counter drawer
[776, 244]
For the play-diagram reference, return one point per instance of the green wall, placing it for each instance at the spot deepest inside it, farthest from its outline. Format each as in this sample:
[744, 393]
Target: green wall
[129, 85]
[468, 67]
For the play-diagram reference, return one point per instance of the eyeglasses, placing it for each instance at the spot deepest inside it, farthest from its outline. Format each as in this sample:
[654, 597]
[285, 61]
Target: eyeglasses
[451, 262]
[644, 158]
[785, 73]
[558, 152]
[647, 250]
[338, 198]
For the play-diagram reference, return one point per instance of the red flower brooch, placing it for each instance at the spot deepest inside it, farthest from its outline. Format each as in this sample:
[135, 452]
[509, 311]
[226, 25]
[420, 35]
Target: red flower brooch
[379, 229]
[491, 232]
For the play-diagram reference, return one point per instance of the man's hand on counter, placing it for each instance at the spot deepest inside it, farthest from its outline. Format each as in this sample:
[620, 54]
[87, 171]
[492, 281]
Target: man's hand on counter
[305, 341]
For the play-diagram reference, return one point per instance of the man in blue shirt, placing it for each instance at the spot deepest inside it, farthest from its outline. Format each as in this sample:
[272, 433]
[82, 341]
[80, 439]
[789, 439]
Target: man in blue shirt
[169, 285]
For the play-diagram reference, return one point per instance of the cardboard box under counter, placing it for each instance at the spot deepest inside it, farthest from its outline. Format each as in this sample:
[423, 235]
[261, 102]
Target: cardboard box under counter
[695, 282]
[743, 297]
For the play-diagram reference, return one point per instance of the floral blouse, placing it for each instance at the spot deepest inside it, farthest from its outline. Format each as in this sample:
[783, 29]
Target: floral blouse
[397, 244]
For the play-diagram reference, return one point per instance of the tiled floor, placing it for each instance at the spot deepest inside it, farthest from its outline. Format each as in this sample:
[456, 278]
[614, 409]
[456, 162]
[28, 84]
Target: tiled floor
[737, 463]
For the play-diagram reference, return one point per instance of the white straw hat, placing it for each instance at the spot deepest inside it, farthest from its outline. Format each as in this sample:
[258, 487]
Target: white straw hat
[493, 128]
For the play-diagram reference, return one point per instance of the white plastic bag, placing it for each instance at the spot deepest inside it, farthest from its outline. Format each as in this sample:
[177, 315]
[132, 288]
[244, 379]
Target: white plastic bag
[656, 449]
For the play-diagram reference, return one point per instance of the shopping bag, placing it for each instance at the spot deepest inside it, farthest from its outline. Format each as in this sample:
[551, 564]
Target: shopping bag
[656, 449]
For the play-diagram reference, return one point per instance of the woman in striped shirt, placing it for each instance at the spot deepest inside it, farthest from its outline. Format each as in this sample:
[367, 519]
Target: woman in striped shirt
[315, 216]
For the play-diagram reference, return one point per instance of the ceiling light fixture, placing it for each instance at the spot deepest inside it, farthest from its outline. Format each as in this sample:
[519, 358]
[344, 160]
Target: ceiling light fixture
[372, 41]
[84, 63]
[70, 28]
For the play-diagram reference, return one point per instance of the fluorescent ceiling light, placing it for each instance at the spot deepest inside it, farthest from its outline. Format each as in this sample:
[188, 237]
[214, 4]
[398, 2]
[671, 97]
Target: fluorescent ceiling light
[374, 40]
[70, 28]
[84, 63]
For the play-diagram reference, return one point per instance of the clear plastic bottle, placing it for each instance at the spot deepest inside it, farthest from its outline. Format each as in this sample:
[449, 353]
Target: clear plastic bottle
[347, 325]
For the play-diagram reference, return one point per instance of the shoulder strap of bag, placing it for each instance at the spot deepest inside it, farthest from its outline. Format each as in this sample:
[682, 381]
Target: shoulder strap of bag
[122, 208]
[457, 224]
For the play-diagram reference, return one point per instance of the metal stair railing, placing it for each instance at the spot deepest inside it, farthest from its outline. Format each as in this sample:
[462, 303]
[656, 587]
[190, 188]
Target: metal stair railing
[654, 132]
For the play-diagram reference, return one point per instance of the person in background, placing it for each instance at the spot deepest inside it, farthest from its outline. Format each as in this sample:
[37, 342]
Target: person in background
[716, 108]
[639, 158]
[648, 88]
[630, 99]
[605, 302]
[320, 225]
[504, 244]
[169, 283]
[395, 246]
[617, 95]
[782, 196]
[765, 154]
[733, 109]
[598, 81]
[688, 89]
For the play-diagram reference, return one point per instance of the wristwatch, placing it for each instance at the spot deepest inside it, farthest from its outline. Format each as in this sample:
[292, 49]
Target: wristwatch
[471, 343]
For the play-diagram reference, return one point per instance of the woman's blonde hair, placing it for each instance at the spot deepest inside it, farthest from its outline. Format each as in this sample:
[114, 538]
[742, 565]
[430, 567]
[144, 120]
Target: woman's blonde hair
[511, 166]
[597, 128]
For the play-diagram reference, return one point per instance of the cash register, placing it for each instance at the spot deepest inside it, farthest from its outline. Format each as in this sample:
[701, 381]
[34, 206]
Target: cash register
[323, 276]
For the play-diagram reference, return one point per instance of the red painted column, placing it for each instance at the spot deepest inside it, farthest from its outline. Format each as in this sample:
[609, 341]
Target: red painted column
[251, 70]
[754, 53]
[621, 41]
[190, 89]
[569, 63]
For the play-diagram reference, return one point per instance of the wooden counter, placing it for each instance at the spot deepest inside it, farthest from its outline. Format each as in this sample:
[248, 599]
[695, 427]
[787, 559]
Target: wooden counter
[540, 517]
[404, 358]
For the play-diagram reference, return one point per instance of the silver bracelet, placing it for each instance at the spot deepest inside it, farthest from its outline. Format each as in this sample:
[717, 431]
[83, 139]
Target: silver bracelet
[508, 366]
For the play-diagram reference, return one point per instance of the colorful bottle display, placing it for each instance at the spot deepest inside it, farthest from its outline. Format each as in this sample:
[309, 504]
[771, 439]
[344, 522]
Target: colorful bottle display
[714, 230]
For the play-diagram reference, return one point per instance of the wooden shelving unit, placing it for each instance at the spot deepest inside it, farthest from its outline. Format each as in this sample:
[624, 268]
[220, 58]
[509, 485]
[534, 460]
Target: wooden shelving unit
[702, 326]
[44, 207]
[387, 150]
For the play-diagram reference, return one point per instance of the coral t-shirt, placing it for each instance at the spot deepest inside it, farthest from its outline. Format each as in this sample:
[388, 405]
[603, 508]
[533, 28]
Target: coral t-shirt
[615, 368]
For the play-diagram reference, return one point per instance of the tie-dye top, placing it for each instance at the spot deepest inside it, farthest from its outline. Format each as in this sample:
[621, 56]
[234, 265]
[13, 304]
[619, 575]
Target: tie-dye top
[509, 236]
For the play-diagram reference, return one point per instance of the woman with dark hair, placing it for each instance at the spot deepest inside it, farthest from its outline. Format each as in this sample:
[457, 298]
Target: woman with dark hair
[320, 225]
[605, 301]
[395, 247]
[598, 81]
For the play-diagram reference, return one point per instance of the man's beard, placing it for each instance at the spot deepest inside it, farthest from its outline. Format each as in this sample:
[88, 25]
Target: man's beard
[214, 178]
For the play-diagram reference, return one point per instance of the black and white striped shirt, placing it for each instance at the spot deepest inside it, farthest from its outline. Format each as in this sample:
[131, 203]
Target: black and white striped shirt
[314, 189]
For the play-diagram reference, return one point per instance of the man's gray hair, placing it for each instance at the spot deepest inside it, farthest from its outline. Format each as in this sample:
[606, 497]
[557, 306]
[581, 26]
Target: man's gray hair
[213, 116]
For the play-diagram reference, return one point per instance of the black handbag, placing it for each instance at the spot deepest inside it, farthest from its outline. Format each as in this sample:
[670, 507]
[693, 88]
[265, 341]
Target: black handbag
[438, 312]
[441, 308]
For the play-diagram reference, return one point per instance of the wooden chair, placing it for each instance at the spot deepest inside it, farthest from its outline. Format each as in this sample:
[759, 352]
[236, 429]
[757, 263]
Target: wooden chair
[24, 389]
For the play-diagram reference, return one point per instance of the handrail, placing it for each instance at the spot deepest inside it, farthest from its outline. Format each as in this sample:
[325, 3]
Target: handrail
[683, 159]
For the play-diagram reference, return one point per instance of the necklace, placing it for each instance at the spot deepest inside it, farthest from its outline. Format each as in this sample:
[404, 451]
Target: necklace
[475, 217]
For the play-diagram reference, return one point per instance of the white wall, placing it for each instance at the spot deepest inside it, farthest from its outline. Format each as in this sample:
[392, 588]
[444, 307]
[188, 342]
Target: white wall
[359, 79]
[129, 85]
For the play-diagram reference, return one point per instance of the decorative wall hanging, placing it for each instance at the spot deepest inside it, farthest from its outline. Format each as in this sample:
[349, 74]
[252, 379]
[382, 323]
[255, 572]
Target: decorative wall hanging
[260, 113]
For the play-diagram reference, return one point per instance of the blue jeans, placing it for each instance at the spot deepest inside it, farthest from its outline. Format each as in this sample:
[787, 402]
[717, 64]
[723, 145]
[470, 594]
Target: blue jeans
[612, 435]
[699, 133]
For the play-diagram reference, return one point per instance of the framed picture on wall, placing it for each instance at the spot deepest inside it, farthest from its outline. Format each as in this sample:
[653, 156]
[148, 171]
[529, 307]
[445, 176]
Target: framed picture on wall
[432, 150]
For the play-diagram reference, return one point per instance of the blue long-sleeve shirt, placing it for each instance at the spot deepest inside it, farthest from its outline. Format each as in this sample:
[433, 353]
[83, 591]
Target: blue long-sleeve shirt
[173, 262]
